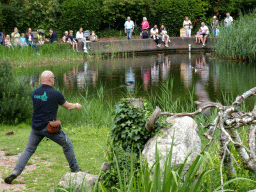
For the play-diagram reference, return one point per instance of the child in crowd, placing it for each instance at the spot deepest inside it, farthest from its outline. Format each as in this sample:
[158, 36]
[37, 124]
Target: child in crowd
[217, 32]
[23, 40]
[93, 37]
[65, 37]
[198, 35]
[7, 41]
[41, 40]
[72, 40]
[165, 37]
[145, 34]
[156, 37]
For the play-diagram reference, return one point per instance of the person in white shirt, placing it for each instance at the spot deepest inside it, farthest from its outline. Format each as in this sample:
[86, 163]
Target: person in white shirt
[228, 21]
[188, 26]
[153, 31]
[165, 36]
[80, 38]
[205, 33]
[129, 28]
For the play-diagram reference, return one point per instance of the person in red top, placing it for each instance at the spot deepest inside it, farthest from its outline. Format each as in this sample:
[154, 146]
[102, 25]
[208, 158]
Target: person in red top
[144, 24]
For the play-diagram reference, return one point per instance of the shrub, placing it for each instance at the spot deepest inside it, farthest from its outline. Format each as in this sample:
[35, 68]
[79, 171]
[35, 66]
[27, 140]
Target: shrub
[129, 125]
[15, 101]
[239, 40]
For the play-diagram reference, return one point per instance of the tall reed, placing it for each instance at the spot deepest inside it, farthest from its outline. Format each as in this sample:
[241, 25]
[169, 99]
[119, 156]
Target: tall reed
[238, 41]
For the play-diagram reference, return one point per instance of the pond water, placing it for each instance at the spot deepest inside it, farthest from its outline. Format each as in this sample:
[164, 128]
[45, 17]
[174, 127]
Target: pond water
[186, 75]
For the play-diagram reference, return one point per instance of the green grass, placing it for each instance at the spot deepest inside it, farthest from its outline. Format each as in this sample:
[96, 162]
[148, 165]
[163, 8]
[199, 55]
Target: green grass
[239, 40]
[50, 54]
[90, 145]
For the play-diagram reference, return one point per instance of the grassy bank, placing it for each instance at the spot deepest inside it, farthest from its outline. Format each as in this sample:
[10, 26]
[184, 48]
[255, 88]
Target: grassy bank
[50, 54]
[238, 41]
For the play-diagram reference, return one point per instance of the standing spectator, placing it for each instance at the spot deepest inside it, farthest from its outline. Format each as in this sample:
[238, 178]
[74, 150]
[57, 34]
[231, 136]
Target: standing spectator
[30, 39]
[215, 25]
[65, 37]
[80, 38]
[46, 101]
[53, 36]
[188, 26]
[153, 31]
[71, 40]
[129, 28]
[205, 33]
[15, 37]
[7, 41]
[23, 40]
[165, 36]
[228, 21]
[144, 24]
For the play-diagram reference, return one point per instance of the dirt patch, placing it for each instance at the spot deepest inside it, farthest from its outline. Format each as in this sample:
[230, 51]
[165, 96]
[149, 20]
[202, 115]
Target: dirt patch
[7, 163]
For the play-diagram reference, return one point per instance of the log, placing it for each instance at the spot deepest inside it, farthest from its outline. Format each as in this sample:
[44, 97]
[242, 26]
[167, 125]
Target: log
[152, 120]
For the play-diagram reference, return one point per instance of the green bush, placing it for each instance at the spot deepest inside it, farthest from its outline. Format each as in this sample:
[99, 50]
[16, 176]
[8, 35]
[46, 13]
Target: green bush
[15, 101]
[238, 41]
[129, 125]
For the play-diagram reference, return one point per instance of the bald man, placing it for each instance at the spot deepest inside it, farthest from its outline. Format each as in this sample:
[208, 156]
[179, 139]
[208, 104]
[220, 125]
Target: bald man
[45, 106]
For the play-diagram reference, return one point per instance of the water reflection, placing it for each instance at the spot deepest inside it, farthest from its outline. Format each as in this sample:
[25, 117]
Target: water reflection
[189, 73]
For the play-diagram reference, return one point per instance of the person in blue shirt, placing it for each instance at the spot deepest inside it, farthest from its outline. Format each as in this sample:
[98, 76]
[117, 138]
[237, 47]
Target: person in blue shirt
[45, 106]
[53, 36]
[129, 28]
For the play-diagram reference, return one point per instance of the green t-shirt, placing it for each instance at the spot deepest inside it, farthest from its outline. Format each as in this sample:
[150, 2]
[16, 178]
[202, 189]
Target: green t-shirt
[16, 37]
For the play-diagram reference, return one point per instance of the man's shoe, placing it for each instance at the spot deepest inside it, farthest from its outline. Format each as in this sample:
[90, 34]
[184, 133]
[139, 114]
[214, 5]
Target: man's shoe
[11, 177]
[85, 51]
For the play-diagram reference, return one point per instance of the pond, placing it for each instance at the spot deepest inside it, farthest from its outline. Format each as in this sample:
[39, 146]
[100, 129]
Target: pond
[185, 75]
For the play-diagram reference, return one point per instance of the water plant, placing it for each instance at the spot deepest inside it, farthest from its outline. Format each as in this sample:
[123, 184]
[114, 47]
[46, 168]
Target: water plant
[238, 41]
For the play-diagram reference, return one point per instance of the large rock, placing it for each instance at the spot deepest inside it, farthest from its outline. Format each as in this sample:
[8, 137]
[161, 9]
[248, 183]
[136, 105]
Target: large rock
[78, 180]
[186, 140]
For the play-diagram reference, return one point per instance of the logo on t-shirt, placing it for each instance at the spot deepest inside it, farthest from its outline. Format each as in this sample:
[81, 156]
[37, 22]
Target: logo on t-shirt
[43, 97]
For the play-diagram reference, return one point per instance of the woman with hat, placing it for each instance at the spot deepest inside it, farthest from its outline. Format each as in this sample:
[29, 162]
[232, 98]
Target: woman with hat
[215, 25]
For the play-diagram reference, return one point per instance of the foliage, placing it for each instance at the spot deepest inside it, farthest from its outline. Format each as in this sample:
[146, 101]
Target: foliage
[129, 125]
[172, 13]
[238, 41]
[116, 11]
[81, 13]
[15, 101]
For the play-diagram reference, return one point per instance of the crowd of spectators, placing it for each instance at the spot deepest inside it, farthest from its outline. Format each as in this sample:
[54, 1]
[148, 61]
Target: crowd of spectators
[159, 36]
[162, 35]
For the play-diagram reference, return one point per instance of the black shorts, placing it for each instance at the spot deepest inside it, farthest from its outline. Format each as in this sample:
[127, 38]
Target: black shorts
[205, 35]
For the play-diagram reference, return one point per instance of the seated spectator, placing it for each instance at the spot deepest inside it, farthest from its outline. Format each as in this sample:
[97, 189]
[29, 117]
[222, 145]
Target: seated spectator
[1, 37]
[23, 40]
[156, 37]
[72, 40]
[53, 36]
[165, 36]
[93, 37]
[198, 35]
[205, 33]
[65, 37]
[15, 37]
[145, 34]
[152, 32]
[87, 35]
[7, 41]
[144, 24]
[80, 38]
[41, 40]
[30, 39]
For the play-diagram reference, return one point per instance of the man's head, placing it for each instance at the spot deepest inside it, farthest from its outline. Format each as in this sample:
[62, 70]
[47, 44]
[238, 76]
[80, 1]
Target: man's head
[203, 24]
[228, 14]
[29, 30]
[50, 30]
[81, 30]
[128, 18]
[47, 78]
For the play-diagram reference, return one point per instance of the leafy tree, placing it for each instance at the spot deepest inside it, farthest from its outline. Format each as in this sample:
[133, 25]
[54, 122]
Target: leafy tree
[81, 13]
[115, 12]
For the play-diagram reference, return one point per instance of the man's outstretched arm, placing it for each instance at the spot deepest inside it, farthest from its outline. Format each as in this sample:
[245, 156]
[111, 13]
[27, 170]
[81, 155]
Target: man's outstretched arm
[70, 106]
